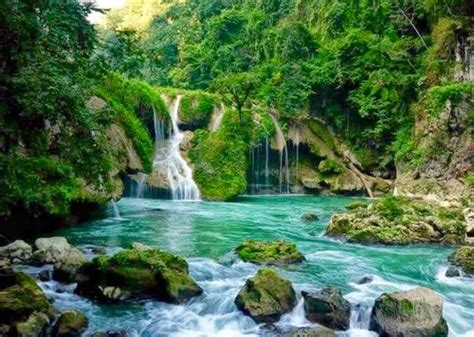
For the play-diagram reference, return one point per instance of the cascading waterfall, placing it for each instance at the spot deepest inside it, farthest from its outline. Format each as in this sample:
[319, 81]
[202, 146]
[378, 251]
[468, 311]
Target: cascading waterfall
[116, 210]
[267, 158]
[178, 172]
[282, 147]
[141, 185]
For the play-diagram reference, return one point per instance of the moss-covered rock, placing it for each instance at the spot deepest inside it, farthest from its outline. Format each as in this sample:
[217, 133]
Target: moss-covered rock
[395, 220]
[70, 324]
[135, 273]
[66, 269]
[275, 252]
[34, 326]
[357, 204]
[327, 307]
[330, 166]
[463, 257]
[417, 312]
[266, 296]
[21, 299]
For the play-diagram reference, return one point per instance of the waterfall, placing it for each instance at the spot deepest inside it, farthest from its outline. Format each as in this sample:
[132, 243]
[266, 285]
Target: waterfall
[217, 119]
[141, 185]
[267, 157]
[297, 145]
[179, 174]
[282, 147]
[116, 210]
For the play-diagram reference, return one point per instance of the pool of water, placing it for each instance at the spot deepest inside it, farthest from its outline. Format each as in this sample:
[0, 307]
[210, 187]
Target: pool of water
[205, 234]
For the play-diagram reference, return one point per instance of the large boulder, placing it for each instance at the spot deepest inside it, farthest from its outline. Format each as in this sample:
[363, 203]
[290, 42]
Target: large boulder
[66, 269]
[20, 298]
[17, 252]
[327, 307]
[266, 296]
[70, 324]
[34, 326]
[274, 253]
[396, 220]
[417, 312]
[51, 250]
[133, 273]
[463, 257]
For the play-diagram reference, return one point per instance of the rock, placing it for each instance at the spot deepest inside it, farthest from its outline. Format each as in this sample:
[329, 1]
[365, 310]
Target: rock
[44, 275]
[394, 220]
[365, 280]
[66, 269]
[133, 273]
[140, 246]
[417, 312]
[70, 324]
[110, 333]
[357, 204]
[266, 296]
[51, 250]
[35, 326]
[318, 331]
[327, 307]
[7, 276]
[309, 217]
[274, 253]
[463, 257]
[21, 299]
[17, 252]
[453, 272]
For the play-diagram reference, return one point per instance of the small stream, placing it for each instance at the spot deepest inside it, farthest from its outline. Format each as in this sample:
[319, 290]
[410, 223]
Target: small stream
[205, 234]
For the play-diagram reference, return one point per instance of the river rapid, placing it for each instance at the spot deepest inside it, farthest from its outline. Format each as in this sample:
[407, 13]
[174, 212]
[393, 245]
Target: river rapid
[205, 234]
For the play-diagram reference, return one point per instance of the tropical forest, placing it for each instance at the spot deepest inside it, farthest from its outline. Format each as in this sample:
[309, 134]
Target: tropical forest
[225, 168]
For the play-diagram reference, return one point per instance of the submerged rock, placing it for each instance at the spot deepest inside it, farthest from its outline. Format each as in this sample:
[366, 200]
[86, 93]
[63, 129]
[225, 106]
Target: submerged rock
[20, 298]
[70, 324]
[417, 312]
[327, 307]
[16, 252]
[135, 273]
[395, 220]
[266, 296]
[463, 257]
[365, 279]
[318, 331]
[274, 253]
[309, 217]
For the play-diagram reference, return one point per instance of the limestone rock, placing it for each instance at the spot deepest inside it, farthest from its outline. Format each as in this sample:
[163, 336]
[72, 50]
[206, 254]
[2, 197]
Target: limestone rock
[70, 324]
[35, 326]
[51, 250]
[274, 253]
[327, 307]
[266, 296]
[417, 312]
[463, 257]
[17, 252]
[66, 269]
[140, 246]
[133, 273]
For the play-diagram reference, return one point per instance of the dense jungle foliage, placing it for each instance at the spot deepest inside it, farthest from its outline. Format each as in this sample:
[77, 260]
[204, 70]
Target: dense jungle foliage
[364, 68]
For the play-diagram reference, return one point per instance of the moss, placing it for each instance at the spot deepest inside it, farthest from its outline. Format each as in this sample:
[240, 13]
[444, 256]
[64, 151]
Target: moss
[330, 167]
[454, 92]
[322, 132]
[357, 204]
[220, 159]
[276, 252]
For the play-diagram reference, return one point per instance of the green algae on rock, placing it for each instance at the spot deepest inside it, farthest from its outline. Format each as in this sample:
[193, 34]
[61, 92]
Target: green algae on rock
[137, 273]
[396, 220]
[274, 253]
[70, 323]
[463, 257]
[417, 312]
[266, 296]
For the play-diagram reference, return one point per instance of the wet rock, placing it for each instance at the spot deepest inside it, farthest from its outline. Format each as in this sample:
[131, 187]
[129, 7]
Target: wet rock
[70, 324]
[365, 280]
[66, 269]
[274, 253]
[44, 275]
[35, 326]
[133, 273]
[110, 333]
[21, 299]
[51, 250]
[309, 217]
[463, 257]
[318, 331]
[327, 307]
[266, 296]
[17, 252]
[453, 272]
[395, 220]
[417, 312]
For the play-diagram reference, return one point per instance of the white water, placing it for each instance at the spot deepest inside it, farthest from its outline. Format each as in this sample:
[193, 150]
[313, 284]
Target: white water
[116, 210]
[217, 119]
[178, 172]
[141, 185]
